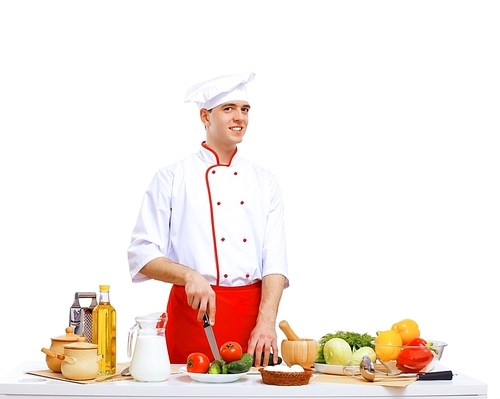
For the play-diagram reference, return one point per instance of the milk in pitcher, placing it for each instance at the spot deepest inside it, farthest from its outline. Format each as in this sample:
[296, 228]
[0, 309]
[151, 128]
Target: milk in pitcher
[150, 361]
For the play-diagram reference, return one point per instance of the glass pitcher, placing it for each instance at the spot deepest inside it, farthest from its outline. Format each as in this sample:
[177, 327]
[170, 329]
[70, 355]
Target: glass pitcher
[148, 348]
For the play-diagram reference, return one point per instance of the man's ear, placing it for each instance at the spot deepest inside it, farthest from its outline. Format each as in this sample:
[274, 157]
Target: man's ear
[205, 117]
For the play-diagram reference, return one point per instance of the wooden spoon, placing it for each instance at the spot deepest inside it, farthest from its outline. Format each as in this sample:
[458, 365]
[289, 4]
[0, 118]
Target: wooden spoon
[285, 327]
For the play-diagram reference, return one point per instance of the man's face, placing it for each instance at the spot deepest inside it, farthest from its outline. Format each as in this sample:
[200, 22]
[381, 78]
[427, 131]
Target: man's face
[227, 124]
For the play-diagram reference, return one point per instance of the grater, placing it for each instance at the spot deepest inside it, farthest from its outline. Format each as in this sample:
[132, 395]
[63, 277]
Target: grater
[80, 317]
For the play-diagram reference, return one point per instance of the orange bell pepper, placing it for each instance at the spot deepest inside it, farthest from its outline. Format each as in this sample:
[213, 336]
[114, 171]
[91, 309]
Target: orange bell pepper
[408, 329]
[388, 345]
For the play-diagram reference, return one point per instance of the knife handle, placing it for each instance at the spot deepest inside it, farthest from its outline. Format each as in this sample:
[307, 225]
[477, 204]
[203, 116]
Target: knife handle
[436, 375]
[206, 321]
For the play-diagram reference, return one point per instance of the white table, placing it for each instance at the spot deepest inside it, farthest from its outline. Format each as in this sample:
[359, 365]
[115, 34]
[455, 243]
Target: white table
[19, 384]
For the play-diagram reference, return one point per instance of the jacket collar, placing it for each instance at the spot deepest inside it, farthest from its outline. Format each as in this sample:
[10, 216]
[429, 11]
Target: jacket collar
[209, 155]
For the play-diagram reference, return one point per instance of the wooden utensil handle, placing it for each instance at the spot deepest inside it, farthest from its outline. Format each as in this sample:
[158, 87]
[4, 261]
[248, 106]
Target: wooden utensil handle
[53, 354]
[285, 327]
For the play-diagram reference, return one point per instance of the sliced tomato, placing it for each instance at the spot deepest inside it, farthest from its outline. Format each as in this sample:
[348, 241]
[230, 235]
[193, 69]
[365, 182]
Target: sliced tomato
[231, 351]
[197, 362]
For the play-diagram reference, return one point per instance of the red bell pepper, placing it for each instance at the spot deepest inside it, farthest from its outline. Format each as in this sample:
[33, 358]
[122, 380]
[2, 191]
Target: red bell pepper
[418, 341]
[414, 356]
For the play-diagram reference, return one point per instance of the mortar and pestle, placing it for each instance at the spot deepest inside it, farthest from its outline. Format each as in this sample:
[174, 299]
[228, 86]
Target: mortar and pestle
[295, 350]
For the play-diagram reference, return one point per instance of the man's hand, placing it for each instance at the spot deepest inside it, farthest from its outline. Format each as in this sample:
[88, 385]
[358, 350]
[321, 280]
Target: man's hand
[263, 338]
[262, 342]
[201, 296]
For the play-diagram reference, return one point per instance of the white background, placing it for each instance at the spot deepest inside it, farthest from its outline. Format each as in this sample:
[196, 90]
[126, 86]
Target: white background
[379, 118]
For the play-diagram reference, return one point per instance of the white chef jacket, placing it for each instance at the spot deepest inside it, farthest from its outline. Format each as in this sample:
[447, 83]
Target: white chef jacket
[224, 221]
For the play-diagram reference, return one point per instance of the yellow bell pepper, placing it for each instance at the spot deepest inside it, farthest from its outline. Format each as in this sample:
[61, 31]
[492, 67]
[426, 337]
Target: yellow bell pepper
[408, 329]
[388, 345]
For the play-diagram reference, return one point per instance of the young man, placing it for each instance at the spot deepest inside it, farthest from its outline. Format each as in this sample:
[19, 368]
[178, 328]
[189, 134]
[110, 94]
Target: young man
[212, 225]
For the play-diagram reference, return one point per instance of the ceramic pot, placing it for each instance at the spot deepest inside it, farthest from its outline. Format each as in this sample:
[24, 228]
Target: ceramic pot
[57, 345]
[81, 361]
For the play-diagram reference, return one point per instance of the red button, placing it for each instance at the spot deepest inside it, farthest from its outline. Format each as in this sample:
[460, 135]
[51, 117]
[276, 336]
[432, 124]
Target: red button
[235, 173]
[248, 275]
[225, 275]
[223, 239]
[242, 202]
[218, 203]
[244, 240]
[213, 172]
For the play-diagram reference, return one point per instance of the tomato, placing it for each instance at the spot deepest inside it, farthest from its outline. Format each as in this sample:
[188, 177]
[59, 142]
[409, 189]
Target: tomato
[231, 351]
[197, 362]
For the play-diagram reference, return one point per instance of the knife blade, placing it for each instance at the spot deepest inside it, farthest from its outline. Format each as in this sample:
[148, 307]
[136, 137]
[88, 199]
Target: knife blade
[209, 332]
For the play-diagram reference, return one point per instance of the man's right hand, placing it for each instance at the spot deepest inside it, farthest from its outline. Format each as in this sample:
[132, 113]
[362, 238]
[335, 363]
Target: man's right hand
[200, 294]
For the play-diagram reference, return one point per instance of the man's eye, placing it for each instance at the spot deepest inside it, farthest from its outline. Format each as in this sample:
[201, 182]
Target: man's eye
[228, 108]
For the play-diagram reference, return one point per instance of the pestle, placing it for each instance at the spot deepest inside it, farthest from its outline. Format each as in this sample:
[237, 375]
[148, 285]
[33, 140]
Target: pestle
[290, 335]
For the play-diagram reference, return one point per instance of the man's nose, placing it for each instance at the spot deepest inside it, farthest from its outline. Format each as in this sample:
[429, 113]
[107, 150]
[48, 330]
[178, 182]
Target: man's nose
[238, 115]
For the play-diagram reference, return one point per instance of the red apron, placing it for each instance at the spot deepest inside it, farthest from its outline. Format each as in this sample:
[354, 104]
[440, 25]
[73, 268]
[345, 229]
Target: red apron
[237, 309]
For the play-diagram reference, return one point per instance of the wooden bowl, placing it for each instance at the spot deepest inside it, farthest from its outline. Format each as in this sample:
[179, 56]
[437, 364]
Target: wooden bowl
[302, 352]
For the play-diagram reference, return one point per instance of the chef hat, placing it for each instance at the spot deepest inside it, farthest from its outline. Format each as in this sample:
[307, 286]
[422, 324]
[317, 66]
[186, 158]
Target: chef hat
[220, 90]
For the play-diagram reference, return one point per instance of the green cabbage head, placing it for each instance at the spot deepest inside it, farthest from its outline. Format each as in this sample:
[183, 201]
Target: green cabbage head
[358, 355]
[337, 351]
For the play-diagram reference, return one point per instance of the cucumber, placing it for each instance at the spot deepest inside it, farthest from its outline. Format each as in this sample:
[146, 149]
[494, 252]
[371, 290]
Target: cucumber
[240, 366]
[215, 367]
[270, 362]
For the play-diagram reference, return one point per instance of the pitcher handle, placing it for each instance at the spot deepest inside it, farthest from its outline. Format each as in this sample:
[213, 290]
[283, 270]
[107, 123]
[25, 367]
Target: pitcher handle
[131, 339]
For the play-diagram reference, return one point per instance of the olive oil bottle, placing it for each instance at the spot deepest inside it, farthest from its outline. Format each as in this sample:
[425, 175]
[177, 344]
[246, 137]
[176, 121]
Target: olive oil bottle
[104, 332]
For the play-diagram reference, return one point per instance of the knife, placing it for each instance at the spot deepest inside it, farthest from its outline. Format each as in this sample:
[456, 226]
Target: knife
[436, 375]
[431, 376]
[209, 332]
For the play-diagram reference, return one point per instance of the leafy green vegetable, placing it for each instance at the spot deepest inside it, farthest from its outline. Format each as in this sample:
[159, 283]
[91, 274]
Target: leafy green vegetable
[364, 351]
[337, 351]
[355, 340]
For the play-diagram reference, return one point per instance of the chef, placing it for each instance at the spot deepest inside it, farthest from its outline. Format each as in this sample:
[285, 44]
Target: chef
[211, 224]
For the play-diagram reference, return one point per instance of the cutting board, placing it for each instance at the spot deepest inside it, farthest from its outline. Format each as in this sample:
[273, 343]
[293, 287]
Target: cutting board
[100, 379]
[400, 382]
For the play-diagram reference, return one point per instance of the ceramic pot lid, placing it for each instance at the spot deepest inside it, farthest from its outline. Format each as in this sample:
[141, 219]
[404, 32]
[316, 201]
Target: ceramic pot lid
[69, 336]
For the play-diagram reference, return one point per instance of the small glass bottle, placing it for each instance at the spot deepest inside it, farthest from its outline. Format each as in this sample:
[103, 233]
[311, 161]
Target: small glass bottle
[104, 332]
